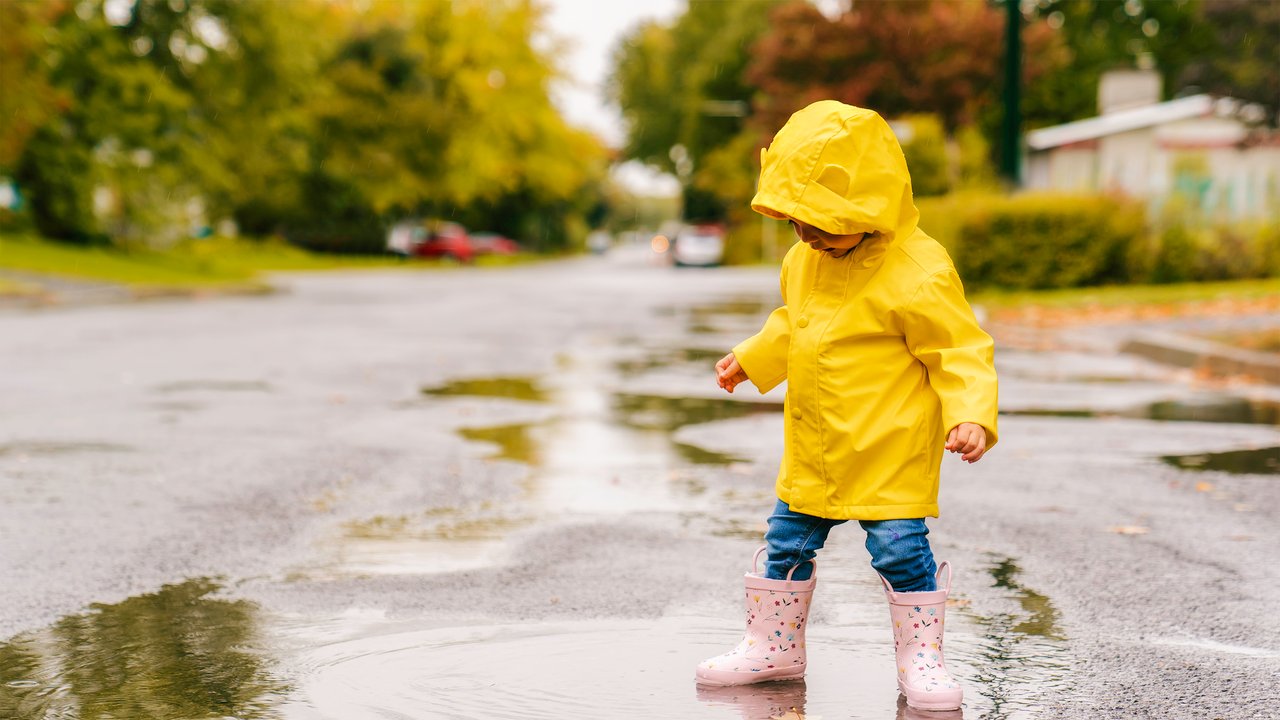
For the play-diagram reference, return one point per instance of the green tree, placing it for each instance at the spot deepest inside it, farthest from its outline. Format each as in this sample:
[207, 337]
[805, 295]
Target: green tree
[28, 99]
[444, 111]
[1245, 60]
[1100, 36]
[684, 93]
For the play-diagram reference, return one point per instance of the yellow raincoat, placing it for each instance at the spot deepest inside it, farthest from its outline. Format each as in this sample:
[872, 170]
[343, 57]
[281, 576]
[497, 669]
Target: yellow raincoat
[882, 353]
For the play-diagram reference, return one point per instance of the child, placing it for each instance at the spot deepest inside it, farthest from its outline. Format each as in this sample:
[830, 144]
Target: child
[886, 366]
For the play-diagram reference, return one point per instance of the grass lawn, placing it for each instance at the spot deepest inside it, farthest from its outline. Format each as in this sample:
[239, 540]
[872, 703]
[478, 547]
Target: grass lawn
[1131, 304]
[27, 254]
[197, 264]
[1120, 295]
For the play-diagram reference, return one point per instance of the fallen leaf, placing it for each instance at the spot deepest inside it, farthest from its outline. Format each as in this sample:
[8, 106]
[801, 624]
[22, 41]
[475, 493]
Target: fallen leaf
[1203, 486]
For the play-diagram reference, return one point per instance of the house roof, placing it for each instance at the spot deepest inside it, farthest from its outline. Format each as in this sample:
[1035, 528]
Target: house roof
[1121, 121]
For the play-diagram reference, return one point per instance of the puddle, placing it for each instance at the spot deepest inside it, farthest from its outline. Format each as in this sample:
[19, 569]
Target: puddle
[656, 412]
[514, 442]
[1042, 616]
[214, 386]
[1262, 461]
[1217, 410]
[599, 455]
[642, 669]
[1022, 659]
[1210, 409]
[510, 388]
[41, 449]
[592, 669]
[701, 357]
[418, 544]
[734, 315]
[697, 456]
[170, 654]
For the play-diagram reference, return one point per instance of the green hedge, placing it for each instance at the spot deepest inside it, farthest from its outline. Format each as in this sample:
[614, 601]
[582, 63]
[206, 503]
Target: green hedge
[1031, 242]
[1044, 241]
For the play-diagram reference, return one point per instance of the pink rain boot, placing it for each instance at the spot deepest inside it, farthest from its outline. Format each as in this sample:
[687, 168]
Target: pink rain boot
[773, 646]
[917, 638]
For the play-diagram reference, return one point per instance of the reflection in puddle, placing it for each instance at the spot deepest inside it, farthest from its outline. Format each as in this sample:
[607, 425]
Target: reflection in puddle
[510, 388]
[1261, 461]
[170, 654]
[737, 306]
[36, 448]
[614, 669]
[1210, 409]
[655, 412]
[670, 358]
[405, 526]
[1217, 410]
[698, 456]
[772, 700]
[1022, 659]
[735, 315]
[600, 455]
[514, 441]
[1042, 615]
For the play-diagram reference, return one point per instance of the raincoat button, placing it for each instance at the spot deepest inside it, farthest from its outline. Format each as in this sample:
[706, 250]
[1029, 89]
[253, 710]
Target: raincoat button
[803, 321]
[795, 413]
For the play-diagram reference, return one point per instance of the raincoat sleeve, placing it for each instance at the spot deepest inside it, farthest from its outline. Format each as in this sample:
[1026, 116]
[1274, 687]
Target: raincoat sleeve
[763, 356]
[942, 333]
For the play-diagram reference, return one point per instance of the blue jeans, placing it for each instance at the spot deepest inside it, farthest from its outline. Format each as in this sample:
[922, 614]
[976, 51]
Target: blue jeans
[899, 548]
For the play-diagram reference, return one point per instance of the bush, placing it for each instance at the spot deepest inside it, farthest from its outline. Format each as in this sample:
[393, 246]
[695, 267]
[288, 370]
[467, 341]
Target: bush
[1048, 241]
[975, 169]
[1186, 247]
[926, 155]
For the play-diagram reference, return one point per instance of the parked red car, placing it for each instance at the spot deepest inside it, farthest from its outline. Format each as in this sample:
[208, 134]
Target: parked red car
[447, 240]
[488, 243]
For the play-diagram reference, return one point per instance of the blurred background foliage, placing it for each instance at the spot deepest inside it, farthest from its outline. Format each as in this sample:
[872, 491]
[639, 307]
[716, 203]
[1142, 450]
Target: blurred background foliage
[934, 68]
[130, 122]
[140, 123]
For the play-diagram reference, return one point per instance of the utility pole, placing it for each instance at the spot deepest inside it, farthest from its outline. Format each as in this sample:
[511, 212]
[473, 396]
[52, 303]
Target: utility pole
[1011, 130]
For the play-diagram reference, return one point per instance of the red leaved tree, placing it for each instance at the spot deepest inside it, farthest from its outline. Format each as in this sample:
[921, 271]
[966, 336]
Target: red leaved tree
[930, 56]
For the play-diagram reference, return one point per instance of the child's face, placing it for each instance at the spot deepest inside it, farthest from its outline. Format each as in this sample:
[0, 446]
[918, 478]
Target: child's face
[818, 239]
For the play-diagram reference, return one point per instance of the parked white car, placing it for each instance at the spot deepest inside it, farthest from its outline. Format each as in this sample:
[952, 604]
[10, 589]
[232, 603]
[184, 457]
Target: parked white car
[699, 245]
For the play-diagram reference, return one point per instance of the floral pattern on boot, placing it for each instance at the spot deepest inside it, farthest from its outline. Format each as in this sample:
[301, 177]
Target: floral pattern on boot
[773, 646]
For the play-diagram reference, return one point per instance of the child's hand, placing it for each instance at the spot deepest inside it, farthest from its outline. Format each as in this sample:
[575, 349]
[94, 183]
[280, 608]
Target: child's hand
[729, 373]
[970, 439]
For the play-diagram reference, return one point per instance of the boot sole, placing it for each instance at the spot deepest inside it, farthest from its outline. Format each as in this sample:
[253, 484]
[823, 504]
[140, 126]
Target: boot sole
[936, 702]
[726, 678]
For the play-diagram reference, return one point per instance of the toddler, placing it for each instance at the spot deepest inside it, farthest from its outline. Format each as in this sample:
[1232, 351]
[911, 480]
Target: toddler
[885, 367]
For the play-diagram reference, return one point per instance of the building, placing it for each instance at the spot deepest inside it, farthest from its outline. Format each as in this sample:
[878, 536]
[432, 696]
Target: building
[1207, 152]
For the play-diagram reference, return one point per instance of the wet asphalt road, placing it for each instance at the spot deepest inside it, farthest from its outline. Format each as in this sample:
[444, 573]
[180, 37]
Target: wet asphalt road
[518, 493]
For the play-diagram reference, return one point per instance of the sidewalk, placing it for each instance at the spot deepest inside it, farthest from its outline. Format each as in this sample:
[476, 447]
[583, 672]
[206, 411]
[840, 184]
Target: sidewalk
[1191, 340]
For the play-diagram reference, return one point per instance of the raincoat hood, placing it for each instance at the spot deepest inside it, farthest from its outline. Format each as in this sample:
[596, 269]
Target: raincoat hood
[839, 168]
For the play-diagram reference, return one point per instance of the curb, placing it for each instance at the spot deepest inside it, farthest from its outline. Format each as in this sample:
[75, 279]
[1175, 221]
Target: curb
[1199, 354]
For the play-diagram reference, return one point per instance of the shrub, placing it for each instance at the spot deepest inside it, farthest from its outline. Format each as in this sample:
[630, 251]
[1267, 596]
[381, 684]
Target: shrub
[1173, 257]
[1047, 241]
[926, 155]
[973, 152]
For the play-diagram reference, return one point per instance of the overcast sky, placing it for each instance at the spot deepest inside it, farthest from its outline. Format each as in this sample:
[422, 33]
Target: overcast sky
[592, 28]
